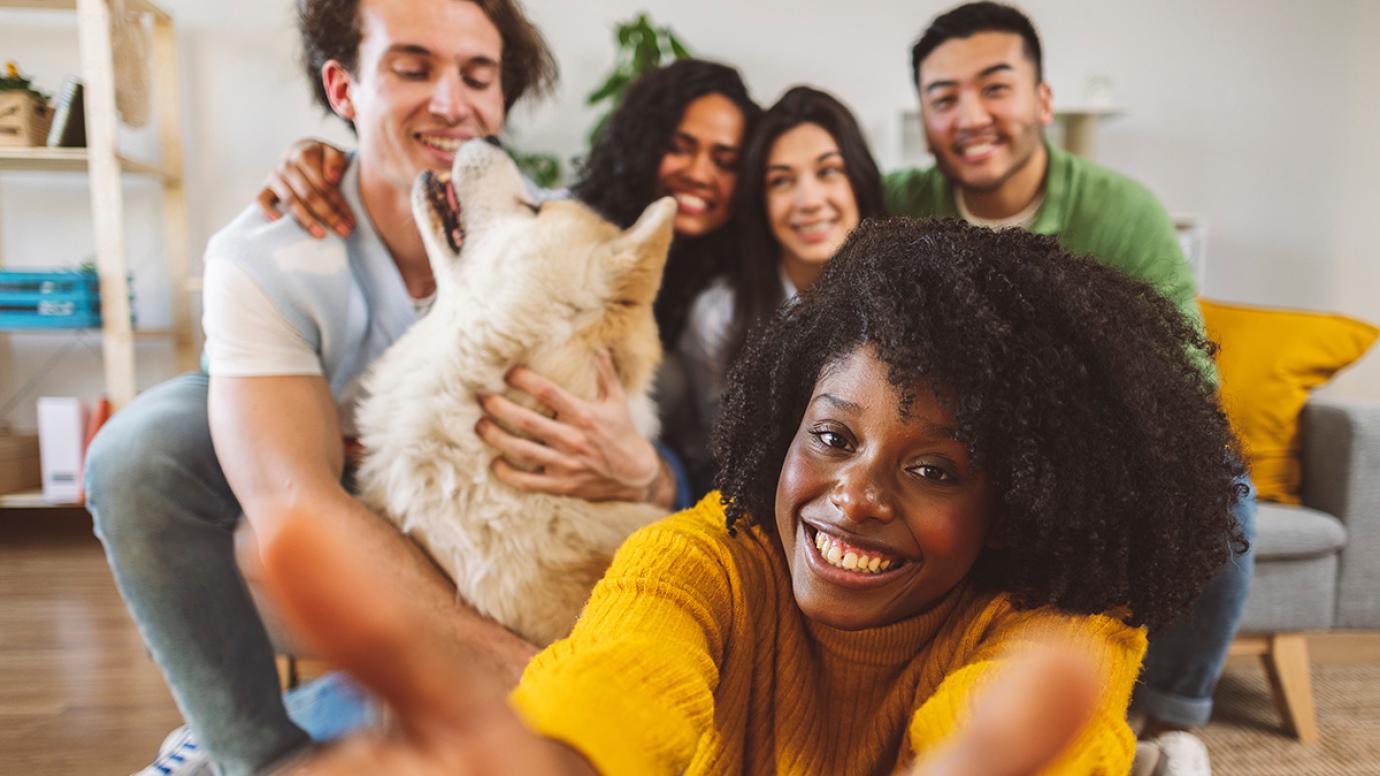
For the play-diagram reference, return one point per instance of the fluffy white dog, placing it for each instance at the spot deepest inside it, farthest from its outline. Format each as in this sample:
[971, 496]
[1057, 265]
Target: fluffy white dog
[546, 286]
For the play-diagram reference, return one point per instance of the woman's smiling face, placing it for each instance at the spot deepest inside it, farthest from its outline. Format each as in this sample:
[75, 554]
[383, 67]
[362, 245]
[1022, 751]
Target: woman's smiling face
[879, 515]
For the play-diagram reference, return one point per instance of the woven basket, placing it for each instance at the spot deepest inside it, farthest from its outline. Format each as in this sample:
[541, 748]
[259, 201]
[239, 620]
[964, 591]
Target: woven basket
[24, 119]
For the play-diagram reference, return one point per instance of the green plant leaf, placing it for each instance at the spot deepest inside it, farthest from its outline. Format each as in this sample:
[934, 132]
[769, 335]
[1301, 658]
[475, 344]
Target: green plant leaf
[613, 87]
[677, 47]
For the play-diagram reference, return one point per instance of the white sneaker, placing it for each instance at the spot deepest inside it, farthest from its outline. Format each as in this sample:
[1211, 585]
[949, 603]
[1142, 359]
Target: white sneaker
[1182, 754]
[180, 755]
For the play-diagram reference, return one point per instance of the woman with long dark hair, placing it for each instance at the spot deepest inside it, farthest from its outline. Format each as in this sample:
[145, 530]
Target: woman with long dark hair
[807, 181]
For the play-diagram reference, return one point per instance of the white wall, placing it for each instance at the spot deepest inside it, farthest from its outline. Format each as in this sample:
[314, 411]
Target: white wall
[1261, 118]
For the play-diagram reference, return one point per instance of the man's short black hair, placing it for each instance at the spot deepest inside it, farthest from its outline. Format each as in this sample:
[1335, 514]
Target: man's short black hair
[968, 20]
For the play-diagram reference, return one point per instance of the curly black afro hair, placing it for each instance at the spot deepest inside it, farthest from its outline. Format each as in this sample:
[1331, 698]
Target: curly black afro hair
[619, 179]
[1077, 389]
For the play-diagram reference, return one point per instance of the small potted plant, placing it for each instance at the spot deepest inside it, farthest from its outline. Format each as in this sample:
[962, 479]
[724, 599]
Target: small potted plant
[24, 111]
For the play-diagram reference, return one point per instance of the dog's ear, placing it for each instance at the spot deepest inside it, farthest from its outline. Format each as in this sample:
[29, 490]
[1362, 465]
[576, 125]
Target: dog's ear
[639, 254]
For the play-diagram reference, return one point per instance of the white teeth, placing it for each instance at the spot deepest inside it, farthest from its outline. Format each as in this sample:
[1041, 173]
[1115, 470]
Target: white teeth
[978, 149]
[692, 201]
[833, 551]
[442, 143]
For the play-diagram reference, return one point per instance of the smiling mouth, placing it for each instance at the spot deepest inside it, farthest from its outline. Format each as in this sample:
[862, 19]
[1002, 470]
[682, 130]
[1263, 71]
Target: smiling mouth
[691, 203]
[841, 554]
[447, 145]
[978, 151]
[440, 193]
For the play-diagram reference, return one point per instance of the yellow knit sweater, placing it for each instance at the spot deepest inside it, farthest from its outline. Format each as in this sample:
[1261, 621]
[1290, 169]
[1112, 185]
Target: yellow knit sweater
[692, 657]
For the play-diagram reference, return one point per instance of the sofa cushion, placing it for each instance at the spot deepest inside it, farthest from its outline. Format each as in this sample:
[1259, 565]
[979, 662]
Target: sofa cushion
[1269, 362]
[1289, 532]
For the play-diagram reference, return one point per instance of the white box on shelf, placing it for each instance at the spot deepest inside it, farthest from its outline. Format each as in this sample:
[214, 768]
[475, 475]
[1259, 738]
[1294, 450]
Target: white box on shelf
[61, 426]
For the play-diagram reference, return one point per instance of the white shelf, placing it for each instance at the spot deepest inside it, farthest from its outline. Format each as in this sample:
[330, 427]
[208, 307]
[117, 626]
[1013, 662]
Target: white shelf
[43, 159]
[71, 5]
[105, 170]
[32, 499]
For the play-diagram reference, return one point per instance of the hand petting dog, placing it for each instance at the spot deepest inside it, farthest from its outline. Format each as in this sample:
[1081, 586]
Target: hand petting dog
[589, 450]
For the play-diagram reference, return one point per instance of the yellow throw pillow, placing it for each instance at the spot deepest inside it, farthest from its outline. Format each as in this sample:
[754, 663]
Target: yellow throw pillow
[1269, 361]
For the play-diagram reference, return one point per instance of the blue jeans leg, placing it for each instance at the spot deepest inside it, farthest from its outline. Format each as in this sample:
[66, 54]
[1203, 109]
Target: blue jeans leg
[330, 707]
[166, 515]
[1183, 664]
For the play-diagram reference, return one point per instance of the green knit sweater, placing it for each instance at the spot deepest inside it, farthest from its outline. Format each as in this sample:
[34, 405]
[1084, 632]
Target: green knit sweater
[1091, 211]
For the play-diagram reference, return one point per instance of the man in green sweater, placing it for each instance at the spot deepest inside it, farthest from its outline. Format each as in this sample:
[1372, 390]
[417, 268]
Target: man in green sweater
[984, 105]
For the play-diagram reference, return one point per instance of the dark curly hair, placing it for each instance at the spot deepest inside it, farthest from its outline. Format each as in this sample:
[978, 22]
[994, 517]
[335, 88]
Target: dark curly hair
[330, 30]
[757, 279]
[968, 20]
[1075, 388]
[619, 177]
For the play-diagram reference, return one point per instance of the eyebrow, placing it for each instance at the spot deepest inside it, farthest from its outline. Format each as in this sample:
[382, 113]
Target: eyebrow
[822, 157]
[422, 51]
[987, 71]
[717, 147]
[839, 403]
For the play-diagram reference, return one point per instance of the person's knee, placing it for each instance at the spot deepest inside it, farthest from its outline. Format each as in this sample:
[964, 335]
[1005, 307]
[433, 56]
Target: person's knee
[137, 464]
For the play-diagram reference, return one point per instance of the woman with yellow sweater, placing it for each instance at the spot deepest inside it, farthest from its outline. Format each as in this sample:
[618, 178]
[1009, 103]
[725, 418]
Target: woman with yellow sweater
[958, 446]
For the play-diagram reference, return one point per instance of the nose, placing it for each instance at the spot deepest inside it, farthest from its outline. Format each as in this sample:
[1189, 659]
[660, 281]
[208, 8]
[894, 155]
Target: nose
[809, 194]
[701, 169]
[860, 495]
[971, 112]
[448, 98]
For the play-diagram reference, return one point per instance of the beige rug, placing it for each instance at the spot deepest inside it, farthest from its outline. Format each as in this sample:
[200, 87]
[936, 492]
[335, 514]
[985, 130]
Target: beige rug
[1245, 737]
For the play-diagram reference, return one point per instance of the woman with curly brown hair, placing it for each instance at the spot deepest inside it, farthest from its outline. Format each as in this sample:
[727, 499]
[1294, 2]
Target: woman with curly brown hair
[959, 446]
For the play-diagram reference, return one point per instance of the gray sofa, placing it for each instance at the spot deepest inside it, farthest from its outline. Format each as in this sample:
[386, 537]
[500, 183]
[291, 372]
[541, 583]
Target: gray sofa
[1317, 564]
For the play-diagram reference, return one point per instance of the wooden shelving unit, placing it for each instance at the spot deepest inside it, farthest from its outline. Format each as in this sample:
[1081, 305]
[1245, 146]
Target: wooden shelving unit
[105, 169]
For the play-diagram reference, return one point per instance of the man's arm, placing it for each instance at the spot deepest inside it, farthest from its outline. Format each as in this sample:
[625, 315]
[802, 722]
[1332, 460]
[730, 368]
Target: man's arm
[278, 441]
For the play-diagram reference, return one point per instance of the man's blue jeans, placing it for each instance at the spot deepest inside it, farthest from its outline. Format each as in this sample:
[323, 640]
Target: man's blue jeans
[1183, 663]
[166, 515]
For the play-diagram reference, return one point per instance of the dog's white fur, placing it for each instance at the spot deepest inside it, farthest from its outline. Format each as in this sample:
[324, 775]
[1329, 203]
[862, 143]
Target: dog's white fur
[543, 289]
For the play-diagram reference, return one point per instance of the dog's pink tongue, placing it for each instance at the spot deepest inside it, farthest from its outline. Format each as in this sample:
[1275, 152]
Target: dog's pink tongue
[456, 237]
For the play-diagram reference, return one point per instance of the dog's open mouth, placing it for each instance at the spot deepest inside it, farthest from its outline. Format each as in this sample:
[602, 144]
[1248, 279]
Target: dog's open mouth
[440, 191]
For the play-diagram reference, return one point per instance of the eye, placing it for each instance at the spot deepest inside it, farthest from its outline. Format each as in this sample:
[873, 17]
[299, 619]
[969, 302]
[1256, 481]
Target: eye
[829, 439]
[830, 172]
[933, 473]
[411, 73]
[941, 103]
[535, 207]
[993, 90]
[778, 182]
[726, 163]
[479, 84]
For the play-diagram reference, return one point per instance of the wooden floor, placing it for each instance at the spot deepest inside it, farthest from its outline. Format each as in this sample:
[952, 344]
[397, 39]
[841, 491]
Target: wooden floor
[78, 693]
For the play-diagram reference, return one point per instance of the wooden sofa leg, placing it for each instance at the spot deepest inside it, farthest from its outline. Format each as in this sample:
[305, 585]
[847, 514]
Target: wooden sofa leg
[287, 671]
[1286, 663]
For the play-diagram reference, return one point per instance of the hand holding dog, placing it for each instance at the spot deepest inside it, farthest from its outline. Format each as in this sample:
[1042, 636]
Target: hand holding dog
[590, 450]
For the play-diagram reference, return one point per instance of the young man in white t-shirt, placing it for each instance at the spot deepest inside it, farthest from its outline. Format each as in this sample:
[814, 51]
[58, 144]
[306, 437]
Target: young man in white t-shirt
[291, 324]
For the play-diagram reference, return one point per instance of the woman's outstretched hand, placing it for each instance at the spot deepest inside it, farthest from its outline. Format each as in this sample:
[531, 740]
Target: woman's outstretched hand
[448, 718]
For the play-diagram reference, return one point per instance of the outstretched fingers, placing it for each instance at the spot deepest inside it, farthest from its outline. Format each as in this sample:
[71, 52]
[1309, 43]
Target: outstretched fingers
[359, 622]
